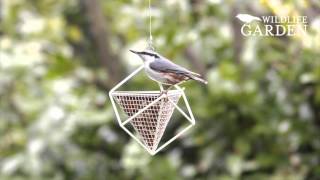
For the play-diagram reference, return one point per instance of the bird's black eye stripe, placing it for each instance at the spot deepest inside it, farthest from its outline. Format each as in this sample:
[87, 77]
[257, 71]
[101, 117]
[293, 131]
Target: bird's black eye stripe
[150, 54]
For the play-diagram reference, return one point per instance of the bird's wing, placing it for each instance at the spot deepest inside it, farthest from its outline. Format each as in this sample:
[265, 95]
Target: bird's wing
[250, 17]
[257, 18]
[247, 17]
[242, 18]
[164, 65]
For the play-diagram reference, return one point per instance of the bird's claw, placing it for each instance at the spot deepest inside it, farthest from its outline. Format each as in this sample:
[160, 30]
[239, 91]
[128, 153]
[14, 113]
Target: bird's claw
[164, 92]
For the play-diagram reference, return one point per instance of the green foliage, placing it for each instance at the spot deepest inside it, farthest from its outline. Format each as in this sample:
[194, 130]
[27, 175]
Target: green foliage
[258, 118]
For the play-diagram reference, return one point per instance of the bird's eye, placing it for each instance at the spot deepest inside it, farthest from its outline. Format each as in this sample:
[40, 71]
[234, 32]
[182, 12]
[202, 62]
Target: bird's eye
[150, 54]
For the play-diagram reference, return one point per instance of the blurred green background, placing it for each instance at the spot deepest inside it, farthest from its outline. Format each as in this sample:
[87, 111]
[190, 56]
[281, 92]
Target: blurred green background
[258, 118]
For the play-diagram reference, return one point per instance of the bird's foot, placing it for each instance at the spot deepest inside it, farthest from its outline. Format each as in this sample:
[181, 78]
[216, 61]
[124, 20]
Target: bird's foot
[164, 92]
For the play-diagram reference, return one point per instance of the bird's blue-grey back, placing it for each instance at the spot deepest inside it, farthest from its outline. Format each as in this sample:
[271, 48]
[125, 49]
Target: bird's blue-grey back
[161, 64]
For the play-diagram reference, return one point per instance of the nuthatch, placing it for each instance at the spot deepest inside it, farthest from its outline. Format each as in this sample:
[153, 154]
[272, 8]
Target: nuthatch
[162, 70]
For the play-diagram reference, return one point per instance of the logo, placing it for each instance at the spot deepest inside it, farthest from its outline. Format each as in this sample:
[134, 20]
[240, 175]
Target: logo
[273, 25]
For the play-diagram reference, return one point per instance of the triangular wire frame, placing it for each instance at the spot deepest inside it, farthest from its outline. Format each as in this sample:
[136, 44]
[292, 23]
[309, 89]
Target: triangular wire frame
[122, 123]
[153, 117]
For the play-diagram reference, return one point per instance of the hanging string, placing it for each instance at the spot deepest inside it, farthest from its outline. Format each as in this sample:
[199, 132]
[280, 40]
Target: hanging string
[150, 43]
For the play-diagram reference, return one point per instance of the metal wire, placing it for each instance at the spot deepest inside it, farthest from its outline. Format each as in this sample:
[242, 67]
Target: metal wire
[150, 123]
[143, 133]
[150, 43]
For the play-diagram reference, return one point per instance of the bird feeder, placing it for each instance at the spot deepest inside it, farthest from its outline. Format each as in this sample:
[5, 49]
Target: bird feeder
[148, 113]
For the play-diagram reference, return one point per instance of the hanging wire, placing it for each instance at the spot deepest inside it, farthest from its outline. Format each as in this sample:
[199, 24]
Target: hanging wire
[150, 43]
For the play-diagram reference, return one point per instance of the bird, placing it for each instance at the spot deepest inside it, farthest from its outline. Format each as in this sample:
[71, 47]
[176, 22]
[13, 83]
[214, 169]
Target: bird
[164, 71]
[247, 18]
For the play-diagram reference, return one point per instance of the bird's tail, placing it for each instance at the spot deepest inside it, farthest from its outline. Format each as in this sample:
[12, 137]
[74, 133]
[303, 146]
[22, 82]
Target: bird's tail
[198, 78]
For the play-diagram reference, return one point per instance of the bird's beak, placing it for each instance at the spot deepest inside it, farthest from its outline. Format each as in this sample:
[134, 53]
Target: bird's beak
[136, 52]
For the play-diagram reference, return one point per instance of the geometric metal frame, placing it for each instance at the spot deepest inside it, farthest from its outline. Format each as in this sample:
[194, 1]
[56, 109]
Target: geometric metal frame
[122, 123]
